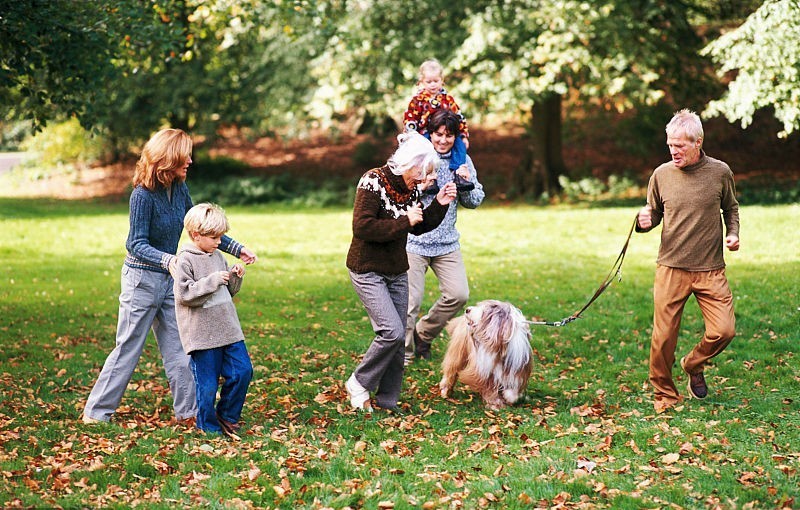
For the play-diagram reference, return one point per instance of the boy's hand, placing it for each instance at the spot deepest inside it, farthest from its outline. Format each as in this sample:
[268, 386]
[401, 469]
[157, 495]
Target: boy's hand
[238, 270]
[224, 276]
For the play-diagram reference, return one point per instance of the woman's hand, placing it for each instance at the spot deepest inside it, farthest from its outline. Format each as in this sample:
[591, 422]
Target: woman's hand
[447, 194]
[415, 214]
[248, 256]
[238, 270]
[463, 172]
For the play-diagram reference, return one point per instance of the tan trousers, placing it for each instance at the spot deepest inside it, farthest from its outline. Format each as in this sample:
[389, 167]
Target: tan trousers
[453, 286]
[671, 290]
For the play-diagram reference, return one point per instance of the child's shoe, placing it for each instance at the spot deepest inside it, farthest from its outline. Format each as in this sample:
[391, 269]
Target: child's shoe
[462, 184]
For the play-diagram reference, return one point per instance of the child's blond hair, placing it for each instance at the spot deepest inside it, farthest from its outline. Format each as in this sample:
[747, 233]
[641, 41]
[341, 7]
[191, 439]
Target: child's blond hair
[431, 65]
[206, 219]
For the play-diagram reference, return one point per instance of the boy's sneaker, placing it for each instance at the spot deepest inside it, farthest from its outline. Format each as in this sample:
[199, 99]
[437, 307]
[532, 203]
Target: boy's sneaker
[359, 396]
[697, 383]
[432, 189]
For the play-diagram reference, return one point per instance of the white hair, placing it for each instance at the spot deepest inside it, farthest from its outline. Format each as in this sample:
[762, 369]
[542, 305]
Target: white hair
[415, 152]
[685, 122]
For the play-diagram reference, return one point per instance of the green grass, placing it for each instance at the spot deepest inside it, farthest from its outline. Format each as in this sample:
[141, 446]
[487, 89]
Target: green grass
[588, 400]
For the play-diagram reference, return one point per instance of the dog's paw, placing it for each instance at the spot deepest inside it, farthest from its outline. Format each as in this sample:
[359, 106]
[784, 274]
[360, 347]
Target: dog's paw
[444, 389]
[495, 405]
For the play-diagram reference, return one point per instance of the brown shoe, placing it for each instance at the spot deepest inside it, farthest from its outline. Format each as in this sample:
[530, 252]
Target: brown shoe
[228, 428]
[422, 349]
[697, 383]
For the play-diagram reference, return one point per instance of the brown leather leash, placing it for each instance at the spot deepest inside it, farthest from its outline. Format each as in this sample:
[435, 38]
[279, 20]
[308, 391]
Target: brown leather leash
[616, 272]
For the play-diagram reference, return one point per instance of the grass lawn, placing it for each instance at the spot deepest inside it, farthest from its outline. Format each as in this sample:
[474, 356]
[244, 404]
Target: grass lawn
[586, 435]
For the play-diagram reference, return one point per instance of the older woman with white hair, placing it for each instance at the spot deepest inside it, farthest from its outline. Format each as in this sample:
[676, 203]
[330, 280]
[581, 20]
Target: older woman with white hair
[387, 208]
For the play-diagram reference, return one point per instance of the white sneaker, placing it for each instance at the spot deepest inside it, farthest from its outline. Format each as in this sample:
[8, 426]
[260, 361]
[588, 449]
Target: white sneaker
[359, 397]
[88, 419]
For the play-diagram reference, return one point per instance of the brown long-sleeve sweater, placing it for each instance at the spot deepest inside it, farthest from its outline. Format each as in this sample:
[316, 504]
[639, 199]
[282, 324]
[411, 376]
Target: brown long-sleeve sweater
[689, 201]
[380, 223]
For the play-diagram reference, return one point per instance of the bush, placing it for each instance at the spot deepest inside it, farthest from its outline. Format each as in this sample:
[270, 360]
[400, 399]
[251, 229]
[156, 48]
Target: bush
[368, 154]
[284, 188]
[65, 143]
[592, 189]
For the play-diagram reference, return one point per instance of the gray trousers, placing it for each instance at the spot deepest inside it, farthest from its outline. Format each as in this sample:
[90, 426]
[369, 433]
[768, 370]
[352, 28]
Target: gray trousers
[453, 287]
[385, 297]
[146, 301]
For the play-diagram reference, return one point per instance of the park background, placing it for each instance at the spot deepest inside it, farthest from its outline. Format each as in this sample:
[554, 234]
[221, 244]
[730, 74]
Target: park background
[289, 103]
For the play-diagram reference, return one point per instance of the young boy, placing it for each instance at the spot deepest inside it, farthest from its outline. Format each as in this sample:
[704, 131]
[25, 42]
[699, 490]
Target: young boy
[207, 321]
[430, 97]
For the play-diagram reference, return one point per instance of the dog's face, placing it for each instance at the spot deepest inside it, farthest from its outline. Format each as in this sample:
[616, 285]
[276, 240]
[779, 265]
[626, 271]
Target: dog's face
[489, 350]
[491, 321]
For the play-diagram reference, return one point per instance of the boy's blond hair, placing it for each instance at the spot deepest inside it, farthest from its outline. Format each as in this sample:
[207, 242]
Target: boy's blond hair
[206, 219]
[431, 65]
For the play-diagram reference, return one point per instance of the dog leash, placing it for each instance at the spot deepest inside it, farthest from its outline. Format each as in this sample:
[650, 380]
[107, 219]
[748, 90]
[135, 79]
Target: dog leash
[616, 272]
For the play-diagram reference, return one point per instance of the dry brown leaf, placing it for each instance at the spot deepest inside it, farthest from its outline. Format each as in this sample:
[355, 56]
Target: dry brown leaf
[670, 458]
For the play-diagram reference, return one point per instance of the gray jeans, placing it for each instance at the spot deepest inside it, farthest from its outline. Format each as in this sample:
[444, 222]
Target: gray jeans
[453, 287]
[385, 297]
[146, 301]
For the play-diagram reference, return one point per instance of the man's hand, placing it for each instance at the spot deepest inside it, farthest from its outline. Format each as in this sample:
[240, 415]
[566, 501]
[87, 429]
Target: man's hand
[732, 242]
[645, 217]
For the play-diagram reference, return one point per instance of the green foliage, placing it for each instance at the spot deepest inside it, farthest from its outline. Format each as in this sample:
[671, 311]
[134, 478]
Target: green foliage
[592, 189]
[64, 143]
[368, 154]
[58, 57]
[282, 188]
[766, 190]
[764, 53]
[585, 435]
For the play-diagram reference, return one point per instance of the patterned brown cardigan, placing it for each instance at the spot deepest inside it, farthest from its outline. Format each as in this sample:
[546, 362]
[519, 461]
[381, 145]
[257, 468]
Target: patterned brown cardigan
[380, 223]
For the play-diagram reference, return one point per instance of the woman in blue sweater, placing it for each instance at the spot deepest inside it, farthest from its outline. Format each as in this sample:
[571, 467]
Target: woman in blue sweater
[158, 203]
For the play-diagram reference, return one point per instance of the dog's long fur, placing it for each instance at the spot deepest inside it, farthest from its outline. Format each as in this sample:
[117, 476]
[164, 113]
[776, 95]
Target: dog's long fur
[490, 352]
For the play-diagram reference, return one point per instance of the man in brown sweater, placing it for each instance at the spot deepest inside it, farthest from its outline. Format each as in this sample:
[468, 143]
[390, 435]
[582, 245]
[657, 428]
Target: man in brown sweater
[688, 194]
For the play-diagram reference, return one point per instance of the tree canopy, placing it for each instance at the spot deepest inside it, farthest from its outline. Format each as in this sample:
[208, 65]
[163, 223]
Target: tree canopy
[763, 58]
[128, 67]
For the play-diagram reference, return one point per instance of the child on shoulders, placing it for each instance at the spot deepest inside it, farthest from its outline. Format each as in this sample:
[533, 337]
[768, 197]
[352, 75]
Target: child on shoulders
[429, 98]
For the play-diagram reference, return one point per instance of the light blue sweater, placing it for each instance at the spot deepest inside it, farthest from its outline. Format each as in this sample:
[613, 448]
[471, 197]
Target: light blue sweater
[444, 238]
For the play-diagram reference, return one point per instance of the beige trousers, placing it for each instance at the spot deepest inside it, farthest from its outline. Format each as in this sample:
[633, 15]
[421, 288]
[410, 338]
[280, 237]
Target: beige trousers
[671, 290]
[453, 287]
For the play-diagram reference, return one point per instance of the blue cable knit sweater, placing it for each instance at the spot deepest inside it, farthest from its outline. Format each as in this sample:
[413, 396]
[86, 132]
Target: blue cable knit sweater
[156, 224]
[444, 238]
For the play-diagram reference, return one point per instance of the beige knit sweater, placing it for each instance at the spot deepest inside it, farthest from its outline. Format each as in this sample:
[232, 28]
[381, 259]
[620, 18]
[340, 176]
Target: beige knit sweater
[204, 306]
[689, 201]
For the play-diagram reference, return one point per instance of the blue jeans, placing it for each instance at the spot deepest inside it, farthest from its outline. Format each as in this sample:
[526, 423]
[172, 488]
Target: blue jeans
[232, 363]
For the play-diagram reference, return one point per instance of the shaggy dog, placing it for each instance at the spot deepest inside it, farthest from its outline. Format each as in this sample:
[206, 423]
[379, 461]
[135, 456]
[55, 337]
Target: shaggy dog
[490, 352]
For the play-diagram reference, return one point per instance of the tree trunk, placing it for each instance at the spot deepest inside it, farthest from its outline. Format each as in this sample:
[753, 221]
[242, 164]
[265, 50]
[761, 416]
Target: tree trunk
[544, 160]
